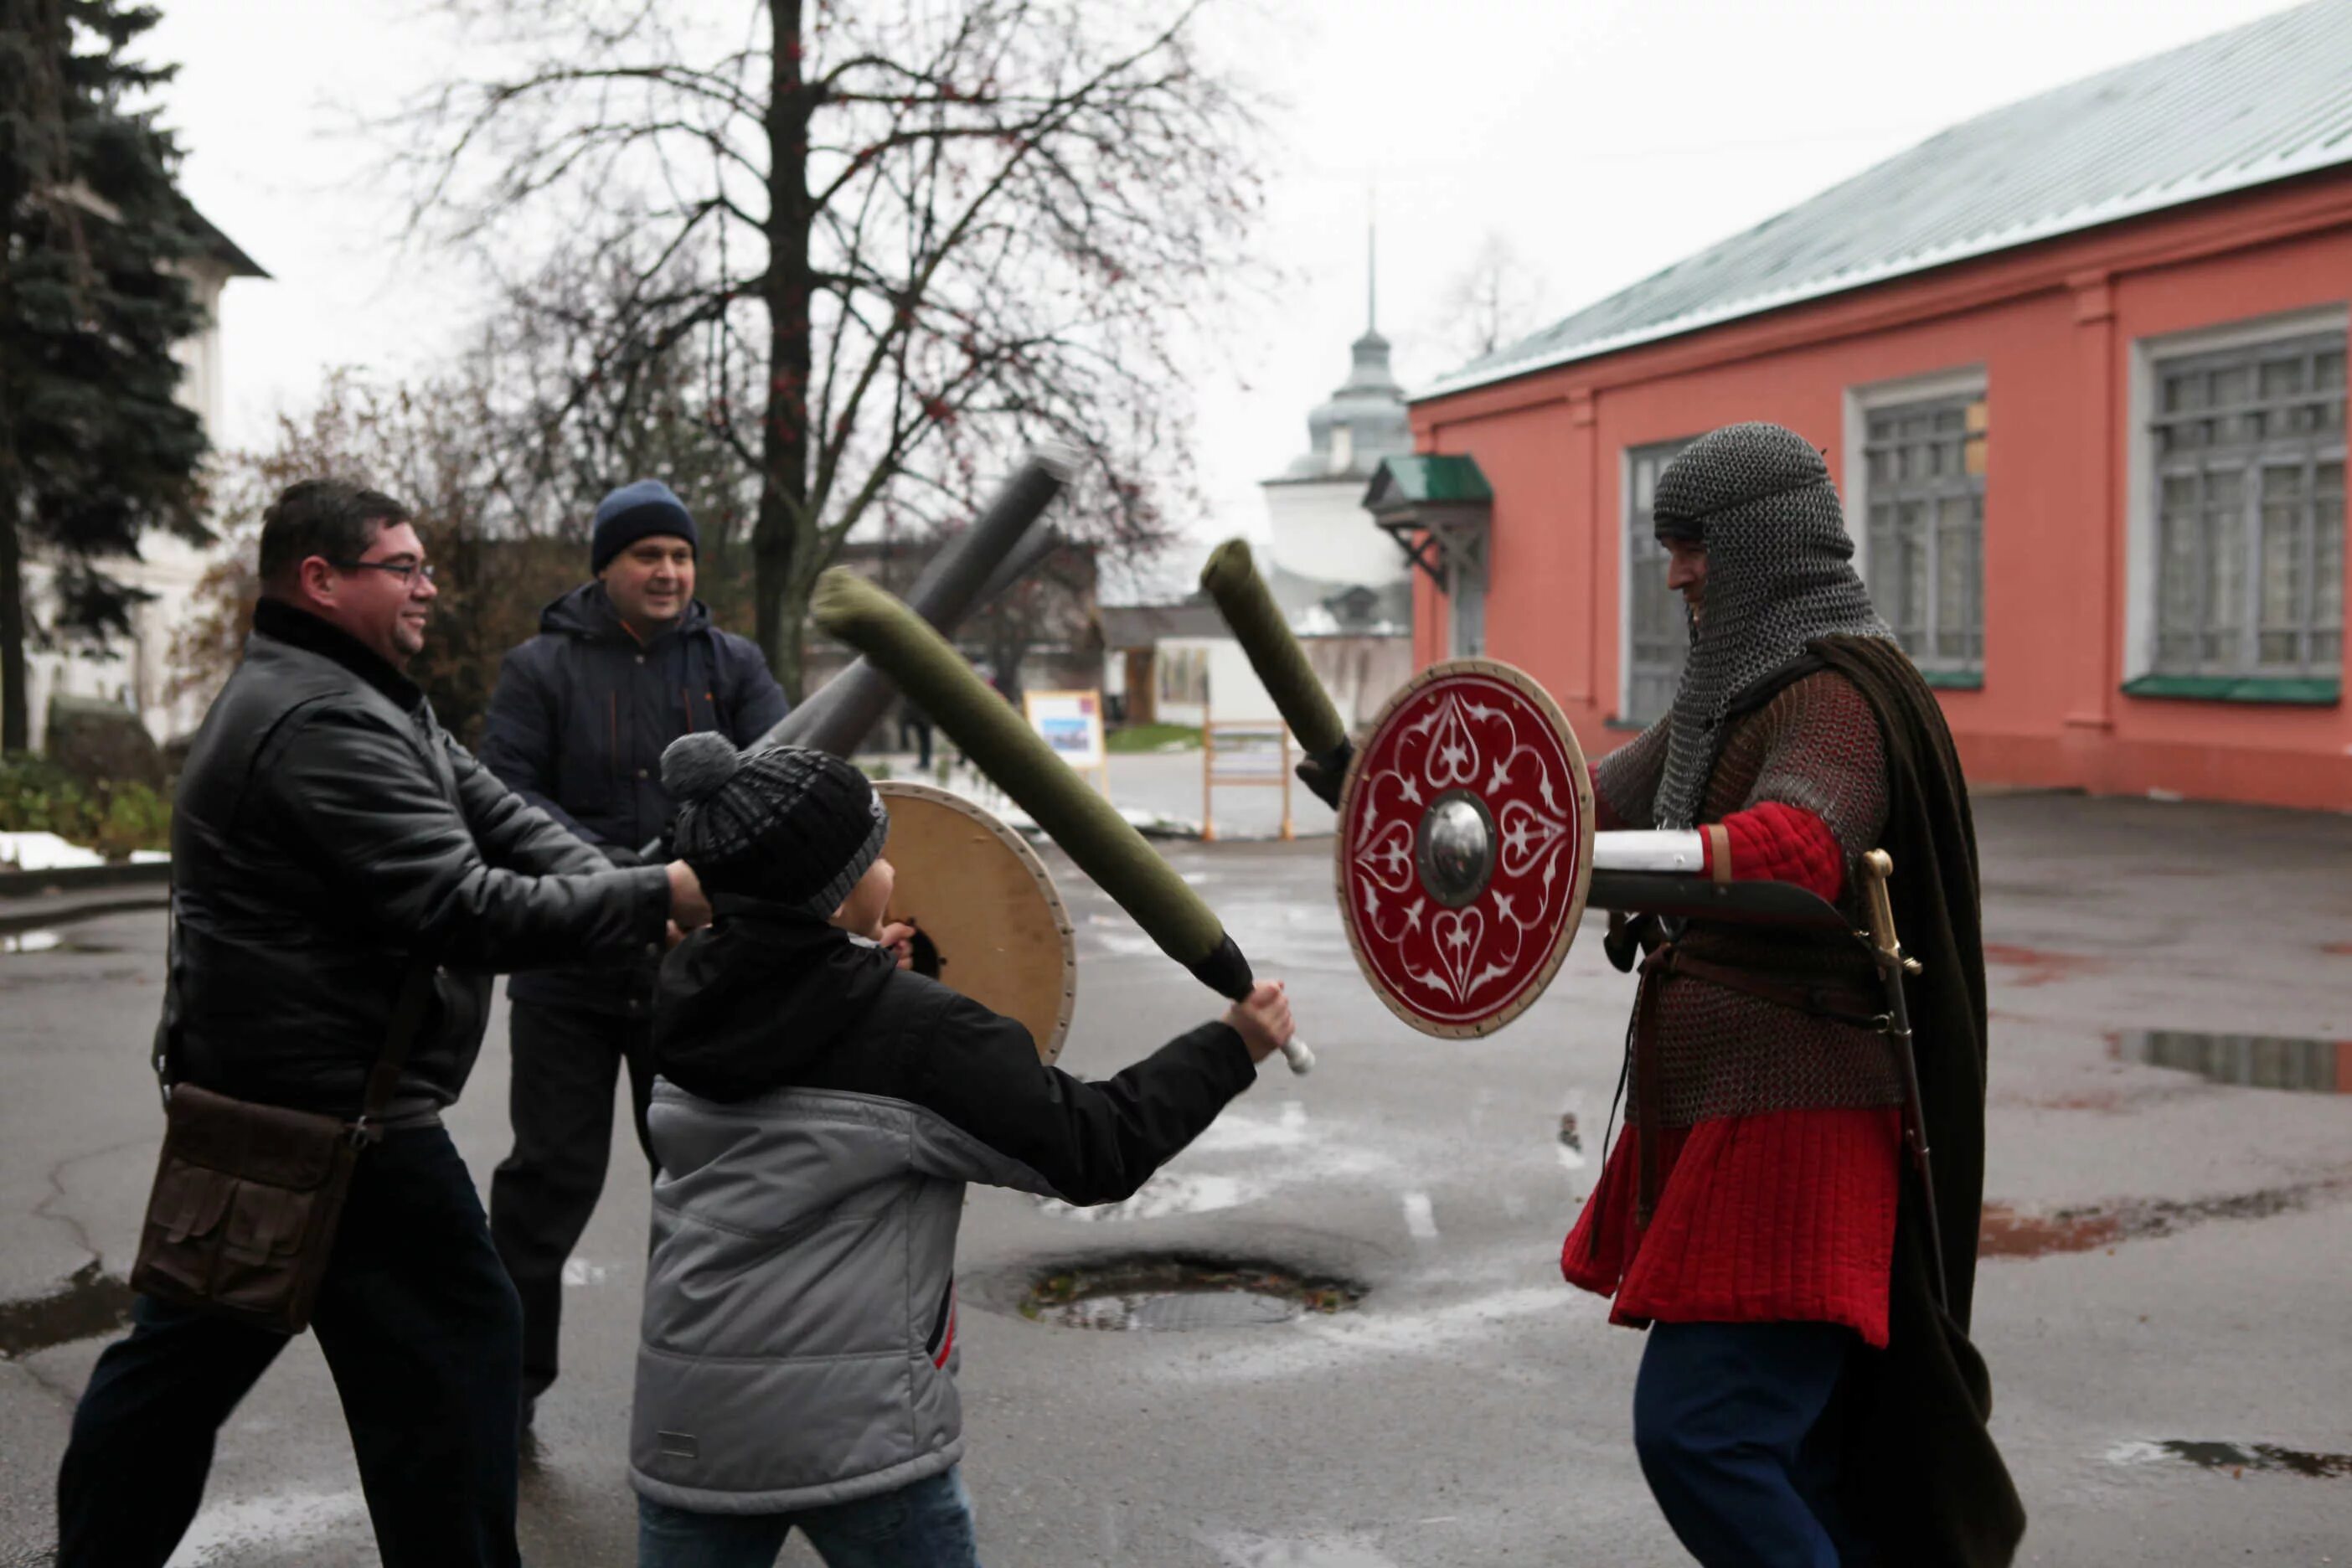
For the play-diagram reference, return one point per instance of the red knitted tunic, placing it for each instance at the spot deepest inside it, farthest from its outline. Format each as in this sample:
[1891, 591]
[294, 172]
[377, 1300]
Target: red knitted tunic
[1786, 1216]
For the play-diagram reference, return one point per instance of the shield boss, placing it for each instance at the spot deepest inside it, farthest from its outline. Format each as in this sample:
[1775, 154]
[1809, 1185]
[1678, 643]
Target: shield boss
[989, 922]
[1464, 847]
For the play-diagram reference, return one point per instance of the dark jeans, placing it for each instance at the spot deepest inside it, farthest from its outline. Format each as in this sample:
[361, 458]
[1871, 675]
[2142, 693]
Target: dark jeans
[420, 1328]
[560, 1100]
[925, 1525]
[921, 730]
[1738, 1431]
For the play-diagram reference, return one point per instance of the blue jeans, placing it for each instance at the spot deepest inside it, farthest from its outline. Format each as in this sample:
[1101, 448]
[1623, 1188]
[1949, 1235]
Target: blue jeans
[1738, 1430]
[925, 1525]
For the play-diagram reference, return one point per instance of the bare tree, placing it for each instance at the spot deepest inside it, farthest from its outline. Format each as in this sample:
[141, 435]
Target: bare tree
[1493, 302]
[504, 455]
[1054, 605]
[935, 231]
[577, 406]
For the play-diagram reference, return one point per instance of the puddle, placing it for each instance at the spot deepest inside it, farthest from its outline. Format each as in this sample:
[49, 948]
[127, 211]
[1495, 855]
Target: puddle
[91, 1303]
[30, 941]
[2006, 1233]
[2235, 1458]
[2243, 1061]
[1178, 1293]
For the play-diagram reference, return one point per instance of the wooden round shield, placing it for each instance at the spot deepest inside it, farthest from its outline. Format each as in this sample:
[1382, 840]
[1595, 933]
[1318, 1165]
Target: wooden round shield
[1464, 847]
[988, 920]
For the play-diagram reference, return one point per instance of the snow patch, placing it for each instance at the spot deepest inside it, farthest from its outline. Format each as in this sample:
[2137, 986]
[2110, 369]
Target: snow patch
[274, 1521]
[1349, 1551]
[1169, 1193]
[1320, 1345]
[44, 852]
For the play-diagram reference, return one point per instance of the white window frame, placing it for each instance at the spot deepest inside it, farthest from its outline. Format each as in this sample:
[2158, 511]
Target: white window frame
[1625, 508]
[1970, 382]
[1465, 589]
[2139, 461]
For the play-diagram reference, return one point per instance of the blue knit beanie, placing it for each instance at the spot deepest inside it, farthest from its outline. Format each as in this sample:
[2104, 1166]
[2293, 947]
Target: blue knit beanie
[638, 512]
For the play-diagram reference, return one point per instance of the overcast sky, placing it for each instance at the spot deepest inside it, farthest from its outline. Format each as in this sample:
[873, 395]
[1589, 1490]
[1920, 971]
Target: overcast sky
[1602, 138]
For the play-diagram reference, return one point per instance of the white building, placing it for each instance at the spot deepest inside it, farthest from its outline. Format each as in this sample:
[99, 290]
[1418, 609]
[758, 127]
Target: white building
[1331, 570]
[137, 671]
[1343, 585]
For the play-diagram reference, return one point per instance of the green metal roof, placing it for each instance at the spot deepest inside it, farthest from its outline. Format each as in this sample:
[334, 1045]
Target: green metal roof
[2262, 103]
[1427, 481]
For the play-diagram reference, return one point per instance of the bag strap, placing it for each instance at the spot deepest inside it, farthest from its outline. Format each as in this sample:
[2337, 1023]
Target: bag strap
[164, 1033]
[407, 1017]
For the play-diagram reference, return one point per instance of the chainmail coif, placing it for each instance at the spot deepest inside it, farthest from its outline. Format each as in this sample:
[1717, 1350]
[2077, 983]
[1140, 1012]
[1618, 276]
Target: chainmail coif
[1780, 573]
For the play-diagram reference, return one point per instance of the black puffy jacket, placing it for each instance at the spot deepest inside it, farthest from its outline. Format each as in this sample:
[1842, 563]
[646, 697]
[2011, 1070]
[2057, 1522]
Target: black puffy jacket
[326, 831]
[577, 725]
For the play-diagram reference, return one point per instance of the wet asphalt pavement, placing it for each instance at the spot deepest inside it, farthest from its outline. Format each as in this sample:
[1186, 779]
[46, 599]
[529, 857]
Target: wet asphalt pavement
[2167, 1302]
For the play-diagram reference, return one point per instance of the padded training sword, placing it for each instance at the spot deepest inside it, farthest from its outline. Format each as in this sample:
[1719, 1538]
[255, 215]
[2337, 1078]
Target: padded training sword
[1632, 873]
[1018, 762]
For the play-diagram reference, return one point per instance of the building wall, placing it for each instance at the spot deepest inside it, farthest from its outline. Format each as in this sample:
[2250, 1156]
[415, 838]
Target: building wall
[138, 671]
[2053, 329]
[1320, 529]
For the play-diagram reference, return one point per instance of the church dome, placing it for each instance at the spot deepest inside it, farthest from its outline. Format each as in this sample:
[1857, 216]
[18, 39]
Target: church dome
[1362, 423]
[1365, 420]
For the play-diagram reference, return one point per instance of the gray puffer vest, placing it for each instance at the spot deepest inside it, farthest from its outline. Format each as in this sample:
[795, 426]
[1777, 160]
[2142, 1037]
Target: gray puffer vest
[817, 1117]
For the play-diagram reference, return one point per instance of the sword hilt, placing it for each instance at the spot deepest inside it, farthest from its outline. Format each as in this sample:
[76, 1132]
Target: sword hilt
[1226, 971]
[1877, 866]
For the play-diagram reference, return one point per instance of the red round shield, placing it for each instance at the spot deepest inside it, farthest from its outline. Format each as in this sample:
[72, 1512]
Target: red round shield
[1464, 847]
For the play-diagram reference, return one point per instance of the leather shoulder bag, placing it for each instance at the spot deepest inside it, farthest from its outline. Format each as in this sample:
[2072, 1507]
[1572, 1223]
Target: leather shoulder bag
[242, 1218]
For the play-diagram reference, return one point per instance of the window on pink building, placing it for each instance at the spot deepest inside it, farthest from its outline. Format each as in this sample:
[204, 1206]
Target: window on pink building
[2249, 450]
[1925, 490]
[1657, 634]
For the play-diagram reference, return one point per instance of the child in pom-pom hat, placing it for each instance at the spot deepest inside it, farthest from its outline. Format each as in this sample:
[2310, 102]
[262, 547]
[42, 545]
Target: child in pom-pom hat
[820, 1109]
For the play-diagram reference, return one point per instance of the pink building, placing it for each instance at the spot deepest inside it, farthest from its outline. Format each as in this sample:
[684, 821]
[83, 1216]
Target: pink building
[2079, 368]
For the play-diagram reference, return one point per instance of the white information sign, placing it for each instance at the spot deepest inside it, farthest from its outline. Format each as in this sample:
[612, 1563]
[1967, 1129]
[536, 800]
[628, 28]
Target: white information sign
[1071, 722]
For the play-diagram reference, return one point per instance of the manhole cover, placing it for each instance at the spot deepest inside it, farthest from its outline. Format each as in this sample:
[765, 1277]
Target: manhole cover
[1179, 1293]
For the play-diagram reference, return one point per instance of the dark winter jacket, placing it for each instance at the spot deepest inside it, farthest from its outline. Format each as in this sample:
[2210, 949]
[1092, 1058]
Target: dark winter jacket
[818, 1114]
[577, 726]
[325, 831]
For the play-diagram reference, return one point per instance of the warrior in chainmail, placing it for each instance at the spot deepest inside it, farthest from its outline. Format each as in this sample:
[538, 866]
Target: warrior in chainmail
[1798, 1387]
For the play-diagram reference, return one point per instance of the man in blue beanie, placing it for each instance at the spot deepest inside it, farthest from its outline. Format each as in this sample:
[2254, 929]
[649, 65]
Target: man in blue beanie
[622, 666]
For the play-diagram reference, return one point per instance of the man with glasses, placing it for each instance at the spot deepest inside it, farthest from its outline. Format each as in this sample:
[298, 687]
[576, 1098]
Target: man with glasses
[328, 838]
[623, 665]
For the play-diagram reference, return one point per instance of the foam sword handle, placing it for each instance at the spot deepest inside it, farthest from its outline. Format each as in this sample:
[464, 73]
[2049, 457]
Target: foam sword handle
[1004, 748]
[1232, 579]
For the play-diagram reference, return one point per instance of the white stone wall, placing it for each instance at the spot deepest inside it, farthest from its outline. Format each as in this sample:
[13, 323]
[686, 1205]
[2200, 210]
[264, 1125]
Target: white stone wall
[1321, 530]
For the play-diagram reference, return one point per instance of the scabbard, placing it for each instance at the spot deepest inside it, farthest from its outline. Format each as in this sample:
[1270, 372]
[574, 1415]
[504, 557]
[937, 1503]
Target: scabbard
[1915, 1112]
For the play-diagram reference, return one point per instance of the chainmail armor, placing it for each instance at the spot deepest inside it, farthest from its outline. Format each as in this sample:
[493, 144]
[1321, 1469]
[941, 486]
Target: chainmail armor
[1627, 778]
[1726, 1053]
[1780, 573]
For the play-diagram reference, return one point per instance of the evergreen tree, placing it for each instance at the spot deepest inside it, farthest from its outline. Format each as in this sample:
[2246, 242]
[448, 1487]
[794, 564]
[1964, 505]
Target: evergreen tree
[95, 449]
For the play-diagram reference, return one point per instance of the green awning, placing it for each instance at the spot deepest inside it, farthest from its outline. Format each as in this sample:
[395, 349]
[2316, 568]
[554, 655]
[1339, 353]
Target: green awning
[1427, 481]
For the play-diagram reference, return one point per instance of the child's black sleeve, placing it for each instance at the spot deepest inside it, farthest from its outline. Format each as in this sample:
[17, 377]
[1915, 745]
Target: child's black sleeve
[1091, 1143]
